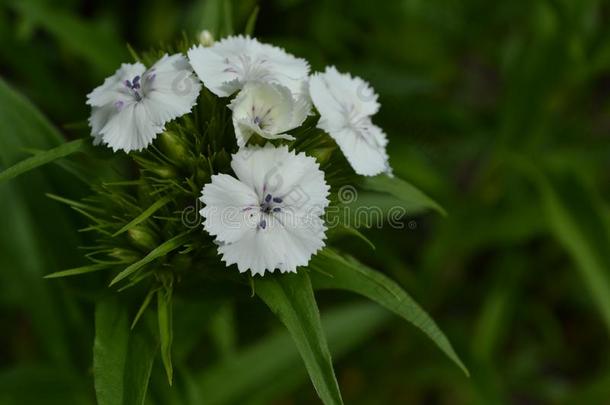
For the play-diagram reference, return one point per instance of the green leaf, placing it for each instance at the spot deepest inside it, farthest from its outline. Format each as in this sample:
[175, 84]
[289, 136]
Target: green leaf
[29, 250]
[144, 215]
[223, 331]
[143, 347]
[227, 17]
[99, 46]
[412, 198]
[164, 312]
[251, 23]
[575, 216]
[160, 251]
[275, 359]
[109, 352]
[290, 297]
[42, 158]
[337, 272]
[122, 360]
[217, 17]
[339, 230]
[79, 270]
[143, 307]
[23, 126]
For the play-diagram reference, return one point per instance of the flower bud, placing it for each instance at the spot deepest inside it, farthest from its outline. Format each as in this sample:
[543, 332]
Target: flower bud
[174, 148]
[165, 172]
[125, 255]
[142, 237]
[206, 38]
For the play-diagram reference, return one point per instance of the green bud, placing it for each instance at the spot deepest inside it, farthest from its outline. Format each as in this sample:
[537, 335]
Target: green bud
[125, 255]
[142, 237]
[174, 147]
[165, 172]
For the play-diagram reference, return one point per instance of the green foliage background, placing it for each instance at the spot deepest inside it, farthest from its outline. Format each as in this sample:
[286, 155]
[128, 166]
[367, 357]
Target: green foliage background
[498, 110]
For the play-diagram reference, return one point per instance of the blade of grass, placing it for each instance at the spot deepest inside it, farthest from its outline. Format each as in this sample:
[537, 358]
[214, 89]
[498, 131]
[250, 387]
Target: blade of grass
[333, 271]
[290, 297]
[79, 270]
[145, 214]
[42, 158]
[160, 251]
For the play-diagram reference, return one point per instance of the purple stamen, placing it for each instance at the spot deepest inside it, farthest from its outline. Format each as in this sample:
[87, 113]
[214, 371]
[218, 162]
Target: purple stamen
[277, 200]
[263, 224]
[277, 209]
[268, 198]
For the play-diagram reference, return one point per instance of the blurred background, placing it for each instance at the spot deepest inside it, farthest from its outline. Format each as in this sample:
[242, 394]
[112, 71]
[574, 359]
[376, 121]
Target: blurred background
[498, 110]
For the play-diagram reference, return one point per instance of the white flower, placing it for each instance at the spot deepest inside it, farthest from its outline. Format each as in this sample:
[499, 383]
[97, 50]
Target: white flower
[267, 109]
[346, 105]
[269, 216]
[133, 105]
[226, 66]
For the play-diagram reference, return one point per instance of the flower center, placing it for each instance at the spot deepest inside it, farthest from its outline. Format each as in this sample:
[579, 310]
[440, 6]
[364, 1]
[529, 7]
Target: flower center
[268, 206]
[135, 87]
[260, 116]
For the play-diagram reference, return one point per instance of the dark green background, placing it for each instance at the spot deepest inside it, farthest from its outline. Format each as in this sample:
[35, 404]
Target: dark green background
[498, 110]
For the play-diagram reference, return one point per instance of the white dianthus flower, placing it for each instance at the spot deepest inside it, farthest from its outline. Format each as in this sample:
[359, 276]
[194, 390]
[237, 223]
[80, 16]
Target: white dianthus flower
[227, 65]
[269, 216]
[267, 109]
[346, 105]
[131, 107]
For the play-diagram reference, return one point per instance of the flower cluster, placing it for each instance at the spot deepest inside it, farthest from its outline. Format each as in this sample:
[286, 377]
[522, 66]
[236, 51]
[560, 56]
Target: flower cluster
[266, 215]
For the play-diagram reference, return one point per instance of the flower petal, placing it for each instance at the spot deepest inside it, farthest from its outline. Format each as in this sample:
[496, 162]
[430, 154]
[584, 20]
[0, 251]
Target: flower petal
[345, 104]
[295, 178]
[278, 246]
[171, 88]
[231, 208]
[364, 149]
[227, 65]
[267, 109]
[131, 128]
[113, 87]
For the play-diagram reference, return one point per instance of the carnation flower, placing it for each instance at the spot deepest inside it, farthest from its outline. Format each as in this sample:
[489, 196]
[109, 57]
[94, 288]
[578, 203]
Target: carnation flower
[346, 105]
[267, 109]
[133, 105]
[226, 66]
[268, 216]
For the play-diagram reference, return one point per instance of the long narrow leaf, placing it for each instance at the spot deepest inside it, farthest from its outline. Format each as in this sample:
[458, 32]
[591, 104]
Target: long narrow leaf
[336, 272]
[578, 224]
[109, 352]
[79, 270]
[291, 298]
[164, 314]
[412, 198]
[144, 215]
[122, 359]
[29, 250]
[160, 251]
[42, 158]
[276, 359]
